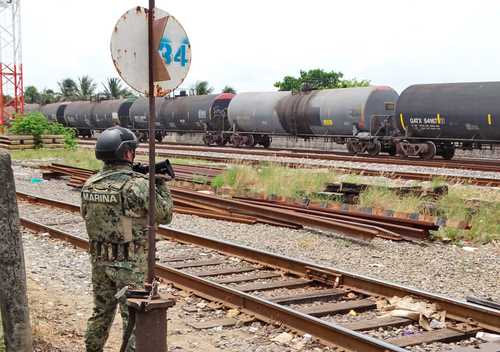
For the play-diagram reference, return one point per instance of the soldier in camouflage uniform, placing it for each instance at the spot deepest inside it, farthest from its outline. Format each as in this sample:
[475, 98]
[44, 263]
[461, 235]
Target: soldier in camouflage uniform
[115, 206]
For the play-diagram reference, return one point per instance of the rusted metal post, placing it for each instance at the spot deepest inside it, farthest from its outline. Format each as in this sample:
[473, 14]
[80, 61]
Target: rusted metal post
[151, 136]
[151, 323]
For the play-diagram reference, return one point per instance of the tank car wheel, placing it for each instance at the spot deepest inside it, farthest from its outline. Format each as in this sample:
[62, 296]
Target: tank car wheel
[250, 142]
[159, 138]
[350, 148]
[222, 141]
[266, 142]
[236, 140]
[448, 152]
[374, 148]
[207, 139]
[430, 153]
[392, 151]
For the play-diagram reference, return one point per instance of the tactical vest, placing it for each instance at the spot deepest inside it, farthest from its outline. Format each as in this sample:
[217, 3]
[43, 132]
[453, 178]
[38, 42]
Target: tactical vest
[113, 236]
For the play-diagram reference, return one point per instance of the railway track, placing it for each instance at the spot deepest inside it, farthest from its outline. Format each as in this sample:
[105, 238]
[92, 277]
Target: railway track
[228, 155]
[304, 296]
[354, 225]
[462, 164]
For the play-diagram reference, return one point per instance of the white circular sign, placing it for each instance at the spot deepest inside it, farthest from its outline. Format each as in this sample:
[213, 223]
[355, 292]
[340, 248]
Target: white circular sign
[129, 50]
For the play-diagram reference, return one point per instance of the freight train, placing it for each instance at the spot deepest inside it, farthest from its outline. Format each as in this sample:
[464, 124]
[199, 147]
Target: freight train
[425, 121]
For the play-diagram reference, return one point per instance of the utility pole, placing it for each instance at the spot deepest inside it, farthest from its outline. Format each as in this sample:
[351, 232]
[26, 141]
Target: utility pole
[11, 66]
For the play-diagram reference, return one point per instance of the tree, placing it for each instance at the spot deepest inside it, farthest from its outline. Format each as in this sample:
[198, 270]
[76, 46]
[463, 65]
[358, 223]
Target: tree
[86, 88]
[349, 83]
[113, 89]
[48, 96]
[202, 88]
[229, 89]
[318, 79]
[68, 89]
[31, 95]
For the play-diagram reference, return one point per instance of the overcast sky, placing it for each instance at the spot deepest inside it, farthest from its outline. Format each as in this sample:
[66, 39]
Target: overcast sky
[252, 44]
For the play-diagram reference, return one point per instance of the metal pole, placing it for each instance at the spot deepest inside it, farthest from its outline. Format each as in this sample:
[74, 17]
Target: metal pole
[151, 136]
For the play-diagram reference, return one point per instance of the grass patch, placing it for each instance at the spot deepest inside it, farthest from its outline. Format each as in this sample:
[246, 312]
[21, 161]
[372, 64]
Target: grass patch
[84, 158]
[462, 202]
[378, 197]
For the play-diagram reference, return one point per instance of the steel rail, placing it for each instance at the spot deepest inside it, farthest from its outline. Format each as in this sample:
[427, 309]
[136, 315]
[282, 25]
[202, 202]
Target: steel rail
[462, 311]
[420, 176]
[468, 164]
[329, 333]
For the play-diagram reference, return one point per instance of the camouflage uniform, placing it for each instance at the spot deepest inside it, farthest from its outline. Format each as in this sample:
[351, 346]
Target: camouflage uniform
[114, 206]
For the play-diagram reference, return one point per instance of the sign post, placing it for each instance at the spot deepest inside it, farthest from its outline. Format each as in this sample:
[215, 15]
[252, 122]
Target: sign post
[152, 54]
[152, 151]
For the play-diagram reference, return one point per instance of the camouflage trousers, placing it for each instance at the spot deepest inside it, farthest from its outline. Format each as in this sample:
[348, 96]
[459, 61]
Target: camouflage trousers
[106, 282]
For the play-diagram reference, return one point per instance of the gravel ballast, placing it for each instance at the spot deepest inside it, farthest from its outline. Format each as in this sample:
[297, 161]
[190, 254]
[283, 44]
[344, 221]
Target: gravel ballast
[435, 267]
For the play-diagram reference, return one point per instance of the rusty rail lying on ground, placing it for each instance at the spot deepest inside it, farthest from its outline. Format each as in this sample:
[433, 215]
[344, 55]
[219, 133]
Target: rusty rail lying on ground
[463, 319]
[353, 226]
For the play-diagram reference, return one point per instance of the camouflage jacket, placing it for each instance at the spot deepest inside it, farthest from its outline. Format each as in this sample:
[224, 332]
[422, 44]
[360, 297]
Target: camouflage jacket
[115, 207]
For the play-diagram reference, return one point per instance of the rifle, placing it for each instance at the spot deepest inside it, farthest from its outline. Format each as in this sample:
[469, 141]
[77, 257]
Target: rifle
[162, 168]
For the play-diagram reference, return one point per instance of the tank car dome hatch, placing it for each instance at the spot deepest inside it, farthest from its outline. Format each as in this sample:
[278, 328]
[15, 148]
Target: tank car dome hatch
[257, 112]
[455, 111]
[334, 112]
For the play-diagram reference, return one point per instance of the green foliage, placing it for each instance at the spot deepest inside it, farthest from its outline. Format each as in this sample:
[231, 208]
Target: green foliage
[217, 182]
[113, 89]
[229, 89]
[318, 79]
[31, 95]
[48, 96]
[36, 124]
[68, 89]
[86, 88]
[84, 158]
[202, 88]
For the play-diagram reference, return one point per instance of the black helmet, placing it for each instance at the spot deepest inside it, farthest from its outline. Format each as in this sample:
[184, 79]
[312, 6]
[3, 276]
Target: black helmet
[113, 143]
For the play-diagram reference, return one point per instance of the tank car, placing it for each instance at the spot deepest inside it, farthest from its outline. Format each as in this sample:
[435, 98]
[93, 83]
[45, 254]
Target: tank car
[55, 112]
[437, 118]
[254, 118]
[78, 115]
[31, 108]
[109, 113]
[362, 117]
[139, 115]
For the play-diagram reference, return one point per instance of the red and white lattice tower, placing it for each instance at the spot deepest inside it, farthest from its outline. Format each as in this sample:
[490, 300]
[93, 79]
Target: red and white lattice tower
[11, 67]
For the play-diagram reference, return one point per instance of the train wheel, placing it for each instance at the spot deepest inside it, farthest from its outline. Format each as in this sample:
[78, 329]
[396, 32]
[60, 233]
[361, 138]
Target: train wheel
[266, 142]
[250, 142]
[374, 148]
[350, 148]
[392, 151]
[430, 152]
[448, 152]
